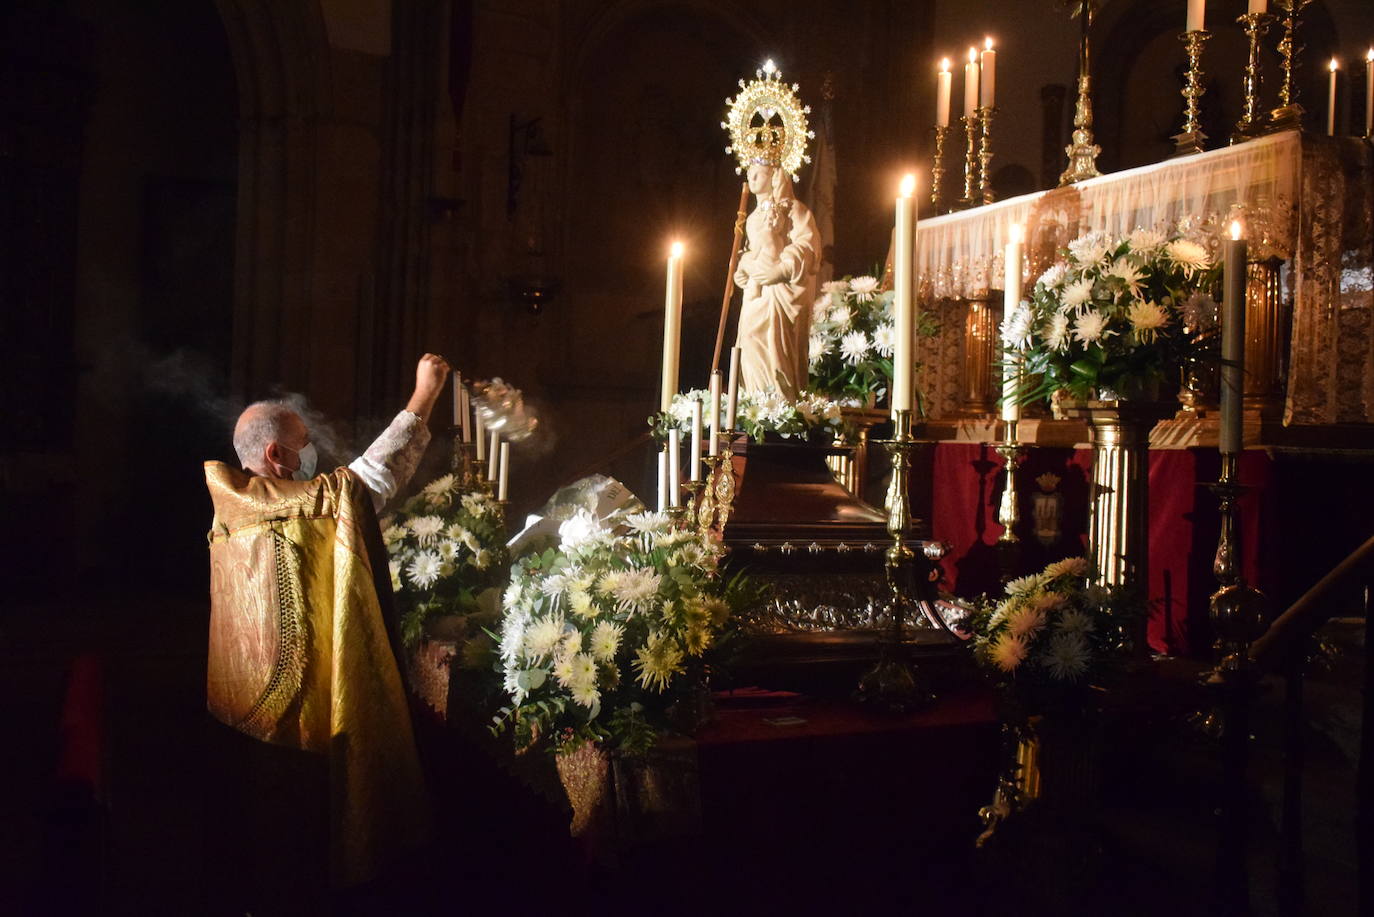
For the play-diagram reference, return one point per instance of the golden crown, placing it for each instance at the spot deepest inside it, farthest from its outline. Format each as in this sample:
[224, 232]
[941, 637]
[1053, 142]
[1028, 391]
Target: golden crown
[767, 123]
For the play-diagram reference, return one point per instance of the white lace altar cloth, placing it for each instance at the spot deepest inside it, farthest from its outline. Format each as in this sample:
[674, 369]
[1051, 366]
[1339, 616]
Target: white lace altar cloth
[1305, 199]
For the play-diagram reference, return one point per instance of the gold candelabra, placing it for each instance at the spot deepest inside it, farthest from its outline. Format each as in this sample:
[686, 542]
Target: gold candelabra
[970, 161]
[1082, 152]
[985, 154]
[1251, 124]
[1288, 116]
[1237, 610]
[891, 684]
[1192, 139]
[937, 167]
[470, 470]
[1008, 512]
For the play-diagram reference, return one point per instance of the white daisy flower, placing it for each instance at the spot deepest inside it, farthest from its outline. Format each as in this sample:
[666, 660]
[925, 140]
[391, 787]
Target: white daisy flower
[633, 590]
[1016, 328]
[815, 349]
[439, 491]
[476, 504]
[885, 339]
[1057, 332]
[393, 535]
[1008, 652]
[1077, 294]
[606, 637]
[542, 637]
[1055, 275]
[864, 287]
[1067, 657]
[1089, 249]
[835, 287]
[647, 523]
[581, 681]
[580, 603]
[424, 568]
[1024, 585]
[1128, 273]
[1188, 255]
[1146, 320]
[1145, 240]
[1090, 326]
[840, 315]
[426, 528]
[854, 347]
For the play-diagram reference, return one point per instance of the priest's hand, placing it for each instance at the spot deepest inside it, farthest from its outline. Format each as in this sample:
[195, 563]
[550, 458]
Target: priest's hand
[430, 375]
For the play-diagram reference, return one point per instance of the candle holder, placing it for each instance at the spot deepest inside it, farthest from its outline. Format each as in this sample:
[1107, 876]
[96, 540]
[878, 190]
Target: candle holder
[1192, 139]
[1288, 116]
[985, 154]
[689, 517]
[891, 684]
[1008, 510]
[1237, 610]
[1251, 124]
[937, 168]
[970, 162]
[1082, 151]
[717, 493]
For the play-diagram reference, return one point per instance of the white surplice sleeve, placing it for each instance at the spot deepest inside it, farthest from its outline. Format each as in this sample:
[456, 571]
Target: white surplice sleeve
[391, 460]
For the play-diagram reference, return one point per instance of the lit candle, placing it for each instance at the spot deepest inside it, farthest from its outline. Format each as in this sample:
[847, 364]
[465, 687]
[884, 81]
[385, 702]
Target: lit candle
[1011, 301]
[971, 83]
[479, 436]
[713, 405]
[942, 91]
[662, 480]
[1259, 6]
[987, 78]
[1331, 99]
[1233, 341]
[903, 359]
[1196, 10]
[672, 326]
[493, 449]
[674, 467]
[504, 480]
[1369, 93]
[695, 466]
[732, 390]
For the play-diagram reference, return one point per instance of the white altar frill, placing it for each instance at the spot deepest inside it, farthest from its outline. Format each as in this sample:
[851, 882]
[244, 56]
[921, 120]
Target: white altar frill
[1306, 200]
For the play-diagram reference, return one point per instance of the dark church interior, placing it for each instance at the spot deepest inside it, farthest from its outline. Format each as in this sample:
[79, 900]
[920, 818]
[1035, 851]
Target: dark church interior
[204, 203]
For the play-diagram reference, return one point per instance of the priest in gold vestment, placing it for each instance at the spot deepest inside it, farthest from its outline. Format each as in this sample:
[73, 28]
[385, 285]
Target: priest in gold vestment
[300, 655]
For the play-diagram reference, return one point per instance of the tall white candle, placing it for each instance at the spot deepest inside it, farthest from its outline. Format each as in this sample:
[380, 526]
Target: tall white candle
[494, 451]
[479, 435]
[1197, 10]
[987, 77]
[971, 83]
[713, 405]
[1259, 6]
[662, 480]
[943, 81]
[903, 357]
[502, 487]
[1233, 341]
[732, 390]
[675, 467]
[1011, 301]
[1369, 93]
[672, 326]
[695, 467]
[467, 414]
[458, 401]
[1331, 99]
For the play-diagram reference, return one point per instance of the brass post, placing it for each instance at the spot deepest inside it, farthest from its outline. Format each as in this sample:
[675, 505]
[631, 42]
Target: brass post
[985, 155]
[1251, 124]
[1192, 139]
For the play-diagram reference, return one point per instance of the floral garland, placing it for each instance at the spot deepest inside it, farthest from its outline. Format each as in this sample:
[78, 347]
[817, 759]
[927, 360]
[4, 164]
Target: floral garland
[1054, 634]
[758, 413]
[1114, 316]
[597, 634]
[447, 554]
[853, 338]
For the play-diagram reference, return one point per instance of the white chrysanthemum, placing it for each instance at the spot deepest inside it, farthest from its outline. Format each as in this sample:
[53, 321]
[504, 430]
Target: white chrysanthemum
[448, 551]
[999, 614]
[580, 603]
[439, 492]
[476, 504]
[513, 636]
[1048, 602]
[1077, 294]
[395, 567]
[840, 315]
[393, 535]
[1008, 652]
[1067, 657]
[864, 287]
[1069, 566]
[1074, 621]
[1146, 320]
[635, 590]
[606, 637]
[1089, 249]
[1055, 275]
[581, 681]
[854, 346]
[542, 637]
[1026, 621]
[571, 643]
[1145, 241]
[1016, 328]
[562, 668]
[815, 349]
[885, 339]
[1128, 273]
[1090, 326]
[820, 307]
[658, 661]
[426, 528]
[424, 568]
[1025, 585]
[481, 559]
[835, 288]
[647, 523]
[1057, 334]
[582, 530]
[1188, 255]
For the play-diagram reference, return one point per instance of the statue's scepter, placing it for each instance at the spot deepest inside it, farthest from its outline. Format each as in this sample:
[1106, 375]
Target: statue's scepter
[730, 274]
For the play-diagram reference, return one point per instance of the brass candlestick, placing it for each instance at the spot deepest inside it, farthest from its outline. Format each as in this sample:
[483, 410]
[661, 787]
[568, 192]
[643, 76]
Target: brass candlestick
[985, 155]
[1008, 513]
[1082, 152]
[1192, 139]
[970, 123]
[1288, 116]
[1251, 124]
[891, 684]
[1237, 609]
[937, 167]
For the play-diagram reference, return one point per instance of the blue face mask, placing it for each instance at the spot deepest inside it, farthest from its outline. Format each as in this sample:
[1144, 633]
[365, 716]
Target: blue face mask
[309, 457]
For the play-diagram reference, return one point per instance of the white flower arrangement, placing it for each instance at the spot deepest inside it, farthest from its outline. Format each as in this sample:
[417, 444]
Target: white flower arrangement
[758, 414]
[1114, 315]
[596, 635]
[1054, 634]
[446, 553]
[853, 339]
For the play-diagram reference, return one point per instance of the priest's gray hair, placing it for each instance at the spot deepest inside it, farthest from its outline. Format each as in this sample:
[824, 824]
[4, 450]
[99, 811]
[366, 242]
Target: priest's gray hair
[260, 423]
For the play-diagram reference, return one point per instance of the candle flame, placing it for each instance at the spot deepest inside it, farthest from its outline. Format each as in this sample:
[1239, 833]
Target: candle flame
[1235, 230]
[1334, 65]
[908, 186]
[973, 55]
[1017, 232]
[676, 250]
[987, 43]
[1369, 55]
[944, 64]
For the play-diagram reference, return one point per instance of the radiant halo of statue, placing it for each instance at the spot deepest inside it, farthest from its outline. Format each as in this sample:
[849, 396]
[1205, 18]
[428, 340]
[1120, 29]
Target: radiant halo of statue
[767, 123]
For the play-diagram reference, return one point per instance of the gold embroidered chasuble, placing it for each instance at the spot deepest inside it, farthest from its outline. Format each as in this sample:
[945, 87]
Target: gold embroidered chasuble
[300, 656]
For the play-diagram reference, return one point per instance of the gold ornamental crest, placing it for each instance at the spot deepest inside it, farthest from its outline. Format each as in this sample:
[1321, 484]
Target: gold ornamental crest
[767, 123]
